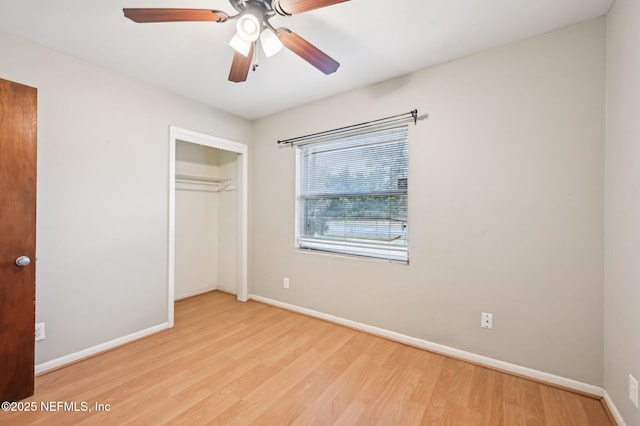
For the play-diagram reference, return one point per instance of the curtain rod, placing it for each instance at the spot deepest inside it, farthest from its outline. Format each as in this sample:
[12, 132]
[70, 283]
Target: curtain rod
[408, 116]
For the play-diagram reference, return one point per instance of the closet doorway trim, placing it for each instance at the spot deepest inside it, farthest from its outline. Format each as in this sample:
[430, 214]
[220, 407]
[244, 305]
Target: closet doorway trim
[178, 134]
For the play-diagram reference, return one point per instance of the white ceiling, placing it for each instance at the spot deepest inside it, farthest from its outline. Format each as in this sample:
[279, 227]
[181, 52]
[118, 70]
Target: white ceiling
[373, 40]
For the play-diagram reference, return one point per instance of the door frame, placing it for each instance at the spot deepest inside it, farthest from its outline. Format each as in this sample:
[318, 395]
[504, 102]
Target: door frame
[184, 135]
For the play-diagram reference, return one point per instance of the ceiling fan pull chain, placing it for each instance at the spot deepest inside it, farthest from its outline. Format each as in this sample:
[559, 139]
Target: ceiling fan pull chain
[255, 59]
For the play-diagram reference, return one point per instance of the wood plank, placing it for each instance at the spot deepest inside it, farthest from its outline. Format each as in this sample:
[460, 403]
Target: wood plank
[233, 363]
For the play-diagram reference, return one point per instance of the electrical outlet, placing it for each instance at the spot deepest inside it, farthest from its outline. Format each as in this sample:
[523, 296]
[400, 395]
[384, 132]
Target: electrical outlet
[39, 331]
[633, 390]
[487, 321]
[285, 282]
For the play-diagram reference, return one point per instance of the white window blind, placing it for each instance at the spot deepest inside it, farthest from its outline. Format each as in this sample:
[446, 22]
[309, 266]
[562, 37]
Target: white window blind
[352, 194]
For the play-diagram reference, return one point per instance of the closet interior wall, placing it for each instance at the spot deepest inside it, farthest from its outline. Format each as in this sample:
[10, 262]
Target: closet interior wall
[205, 221]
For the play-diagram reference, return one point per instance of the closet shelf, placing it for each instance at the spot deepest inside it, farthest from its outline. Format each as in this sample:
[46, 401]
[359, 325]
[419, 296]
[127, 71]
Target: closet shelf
[200, 179]
[219, 183]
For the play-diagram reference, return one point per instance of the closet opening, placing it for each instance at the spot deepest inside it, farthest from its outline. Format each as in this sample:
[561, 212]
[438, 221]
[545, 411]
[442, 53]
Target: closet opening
[208, 200]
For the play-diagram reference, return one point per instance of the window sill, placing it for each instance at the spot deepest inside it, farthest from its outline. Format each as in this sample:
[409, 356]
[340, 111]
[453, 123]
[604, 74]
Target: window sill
[350, 256]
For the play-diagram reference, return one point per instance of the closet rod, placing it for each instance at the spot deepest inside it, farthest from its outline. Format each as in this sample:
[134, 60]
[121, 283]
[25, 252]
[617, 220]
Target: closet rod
[200, 179]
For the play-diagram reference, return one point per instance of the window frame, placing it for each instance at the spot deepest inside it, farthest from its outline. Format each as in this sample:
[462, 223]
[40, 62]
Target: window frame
[361, 249]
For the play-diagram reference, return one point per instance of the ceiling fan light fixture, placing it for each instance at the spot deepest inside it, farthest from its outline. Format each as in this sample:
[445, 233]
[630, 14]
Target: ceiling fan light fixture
[270, 42]
[240, 45]
[248, 27]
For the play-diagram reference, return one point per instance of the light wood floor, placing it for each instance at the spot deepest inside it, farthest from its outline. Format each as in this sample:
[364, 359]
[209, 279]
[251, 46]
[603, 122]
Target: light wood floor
[235, 363]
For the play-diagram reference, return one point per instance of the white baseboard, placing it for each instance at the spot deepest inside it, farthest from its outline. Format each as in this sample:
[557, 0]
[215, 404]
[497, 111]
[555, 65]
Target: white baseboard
[441, 349]
[227, 290]
[613, 409]
[76, 356]
[194, 292]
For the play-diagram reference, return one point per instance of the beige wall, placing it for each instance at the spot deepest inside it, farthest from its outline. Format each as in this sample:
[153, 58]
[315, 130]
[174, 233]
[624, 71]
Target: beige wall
[206, 221]
[228, 223]
[102, 214]
[196, 221]
[506, 206]
[622, 206]
[506, 203]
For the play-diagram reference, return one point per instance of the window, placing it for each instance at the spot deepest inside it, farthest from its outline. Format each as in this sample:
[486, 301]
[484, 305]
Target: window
[351, 194]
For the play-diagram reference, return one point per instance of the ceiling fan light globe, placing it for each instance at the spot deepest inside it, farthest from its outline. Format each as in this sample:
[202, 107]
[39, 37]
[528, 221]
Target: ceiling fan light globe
[240, 45]
[248, 27]
[270, 42]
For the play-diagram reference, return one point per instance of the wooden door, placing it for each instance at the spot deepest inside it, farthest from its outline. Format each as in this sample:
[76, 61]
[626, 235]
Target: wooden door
[18, 132]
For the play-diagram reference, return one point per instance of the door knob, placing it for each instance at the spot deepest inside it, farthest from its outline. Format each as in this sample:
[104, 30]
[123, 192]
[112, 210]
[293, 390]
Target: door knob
[23, 261]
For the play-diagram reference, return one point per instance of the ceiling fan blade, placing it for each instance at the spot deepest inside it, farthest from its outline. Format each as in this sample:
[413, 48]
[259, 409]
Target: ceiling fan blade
[307, 51]
[240, 66]
[292, 7]
[174, 15]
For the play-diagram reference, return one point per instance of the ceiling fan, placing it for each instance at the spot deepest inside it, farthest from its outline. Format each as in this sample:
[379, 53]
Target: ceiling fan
[252, 24]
